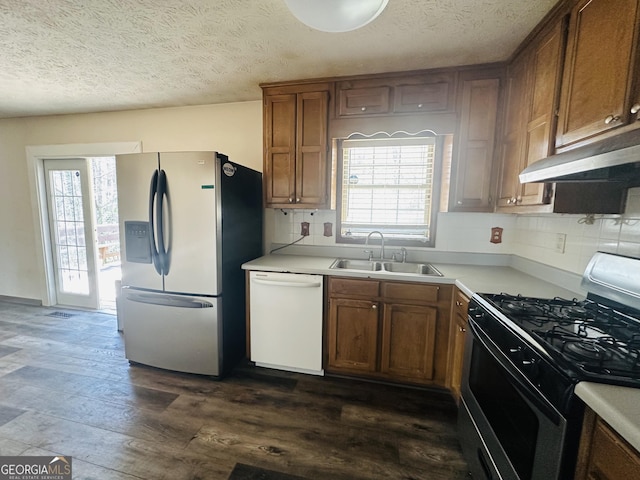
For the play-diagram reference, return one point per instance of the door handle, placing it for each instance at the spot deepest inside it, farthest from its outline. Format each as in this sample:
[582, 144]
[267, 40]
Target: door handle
[162, 193]
[153, 192]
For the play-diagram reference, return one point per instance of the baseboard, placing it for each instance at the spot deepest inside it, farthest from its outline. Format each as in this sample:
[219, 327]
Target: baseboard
[20, 300]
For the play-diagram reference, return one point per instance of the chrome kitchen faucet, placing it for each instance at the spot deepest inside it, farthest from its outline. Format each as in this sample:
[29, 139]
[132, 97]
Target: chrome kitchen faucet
[381, 242]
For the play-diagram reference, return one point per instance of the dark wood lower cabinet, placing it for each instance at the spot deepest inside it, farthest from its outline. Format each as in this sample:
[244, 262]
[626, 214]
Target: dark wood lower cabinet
[456, 343]
[604, 454]
[408, 341]
[394, 331]
[353, 334]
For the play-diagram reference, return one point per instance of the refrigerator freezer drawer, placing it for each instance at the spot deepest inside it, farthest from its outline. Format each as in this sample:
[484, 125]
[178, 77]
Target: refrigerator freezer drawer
[173, 332]
[286, 321]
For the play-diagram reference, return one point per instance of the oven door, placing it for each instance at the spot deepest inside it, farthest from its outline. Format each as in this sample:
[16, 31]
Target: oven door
[507, 429]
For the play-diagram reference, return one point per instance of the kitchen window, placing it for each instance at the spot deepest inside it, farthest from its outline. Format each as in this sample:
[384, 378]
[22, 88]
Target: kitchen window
[388, 183]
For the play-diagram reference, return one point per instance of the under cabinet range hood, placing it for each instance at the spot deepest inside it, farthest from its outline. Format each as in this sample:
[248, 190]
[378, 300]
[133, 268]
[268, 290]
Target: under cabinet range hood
[615, 159]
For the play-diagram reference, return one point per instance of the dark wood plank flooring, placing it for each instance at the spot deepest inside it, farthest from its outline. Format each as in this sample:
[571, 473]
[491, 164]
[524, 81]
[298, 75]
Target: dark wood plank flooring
[66, 389]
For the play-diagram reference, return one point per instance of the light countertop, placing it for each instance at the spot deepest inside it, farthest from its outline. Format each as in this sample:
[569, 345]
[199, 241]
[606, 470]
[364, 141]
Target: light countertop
[469, 278]
[618, 406]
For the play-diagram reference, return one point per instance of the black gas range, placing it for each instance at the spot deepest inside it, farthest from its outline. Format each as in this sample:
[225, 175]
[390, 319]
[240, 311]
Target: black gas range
[586, 340]
[520, 418]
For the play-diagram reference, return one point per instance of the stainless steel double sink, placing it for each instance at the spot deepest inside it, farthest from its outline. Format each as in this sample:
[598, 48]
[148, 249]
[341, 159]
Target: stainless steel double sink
[386, 267]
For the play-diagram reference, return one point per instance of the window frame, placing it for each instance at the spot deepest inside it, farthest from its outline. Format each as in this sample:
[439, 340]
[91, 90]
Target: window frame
[439, 142]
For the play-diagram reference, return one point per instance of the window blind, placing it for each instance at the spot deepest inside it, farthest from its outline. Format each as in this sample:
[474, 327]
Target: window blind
[387, 185]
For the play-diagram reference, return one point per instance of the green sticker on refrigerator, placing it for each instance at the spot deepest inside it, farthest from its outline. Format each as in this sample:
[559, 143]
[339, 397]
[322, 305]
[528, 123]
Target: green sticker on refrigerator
[206, 187]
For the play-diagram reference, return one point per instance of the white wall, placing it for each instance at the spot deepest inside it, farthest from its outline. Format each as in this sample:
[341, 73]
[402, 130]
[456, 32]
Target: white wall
[234, 129]
[456, 232]
[531, 236]
[536, 236]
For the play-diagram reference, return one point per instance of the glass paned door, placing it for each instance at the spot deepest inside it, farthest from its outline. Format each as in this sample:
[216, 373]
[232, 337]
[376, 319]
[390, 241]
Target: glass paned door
[71, 228]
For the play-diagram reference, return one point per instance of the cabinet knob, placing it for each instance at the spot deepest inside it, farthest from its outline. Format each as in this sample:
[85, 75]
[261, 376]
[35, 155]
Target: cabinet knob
[459, 202]
[363, 109]
[420, 105]
[297, 200]
[290, 200]
[635, 108]
[611, 118]
[374, 306]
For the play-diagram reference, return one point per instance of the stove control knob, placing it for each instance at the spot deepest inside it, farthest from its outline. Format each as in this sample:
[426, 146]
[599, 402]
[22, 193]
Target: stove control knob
[531, 367]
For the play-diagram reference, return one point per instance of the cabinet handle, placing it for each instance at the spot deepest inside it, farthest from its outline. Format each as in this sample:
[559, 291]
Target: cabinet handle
[462, 329]
[611, 118]
[374, 306]
[363, 109]
[635, 108]
[458, 303]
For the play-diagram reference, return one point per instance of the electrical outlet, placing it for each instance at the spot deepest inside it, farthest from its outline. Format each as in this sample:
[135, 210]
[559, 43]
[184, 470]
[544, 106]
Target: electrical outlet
[304, 229]
[496, 235]
[561, 240]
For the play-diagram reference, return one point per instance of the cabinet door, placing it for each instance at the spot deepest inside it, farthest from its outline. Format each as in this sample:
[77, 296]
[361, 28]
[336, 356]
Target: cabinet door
[600, 58]
[459, 332]
[352, 335]
[472, 181]
[456, 343]
[279, 148]
[408, 341]
[604, 454]
[363, 101]
[311, 149]
[434, 95]
[545, 70]
[513, 138]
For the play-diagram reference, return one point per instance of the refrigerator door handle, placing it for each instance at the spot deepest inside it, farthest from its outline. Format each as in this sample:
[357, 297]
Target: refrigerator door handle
[160, 203]
[167, 300]
[153, 191]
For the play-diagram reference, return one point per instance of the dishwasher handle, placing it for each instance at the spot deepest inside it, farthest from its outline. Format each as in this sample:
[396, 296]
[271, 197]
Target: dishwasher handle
[279, 283]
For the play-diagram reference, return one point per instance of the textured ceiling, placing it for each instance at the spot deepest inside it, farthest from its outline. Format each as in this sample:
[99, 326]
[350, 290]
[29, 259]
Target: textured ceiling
[69, 56]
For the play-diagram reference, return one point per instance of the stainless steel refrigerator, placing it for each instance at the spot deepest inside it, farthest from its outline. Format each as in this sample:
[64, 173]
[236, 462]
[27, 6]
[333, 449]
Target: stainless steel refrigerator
[188, 221]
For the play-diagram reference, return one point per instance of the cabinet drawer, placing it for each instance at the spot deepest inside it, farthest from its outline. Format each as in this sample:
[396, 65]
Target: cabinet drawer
[432, 97]
[350, 286]
[411, 291]
[363, 101]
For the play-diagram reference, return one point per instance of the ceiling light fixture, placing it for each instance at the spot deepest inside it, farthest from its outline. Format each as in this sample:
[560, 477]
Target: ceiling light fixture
[336, 15]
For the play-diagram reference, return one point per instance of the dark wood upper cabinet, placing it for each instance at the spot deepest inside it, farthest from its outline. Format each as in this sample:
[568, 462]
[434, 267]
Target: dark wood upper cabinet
[600, 75]
[531, 102]
[473, 156]
[428, 92]
[296, 167]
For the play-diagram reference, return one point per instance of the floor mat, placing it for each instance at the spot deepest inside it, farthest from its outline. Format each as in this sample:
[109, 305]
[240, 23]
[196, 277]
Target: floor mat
[248, 472]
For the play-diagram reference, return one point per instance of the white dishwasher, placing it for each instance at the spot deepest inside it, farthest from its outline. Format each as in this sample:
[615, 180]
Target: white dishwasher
[286, 321]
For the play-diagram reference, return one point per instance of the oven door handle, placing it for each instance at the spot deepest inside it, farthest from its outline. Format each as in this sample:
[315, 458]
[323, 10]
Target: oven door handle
[535, 398]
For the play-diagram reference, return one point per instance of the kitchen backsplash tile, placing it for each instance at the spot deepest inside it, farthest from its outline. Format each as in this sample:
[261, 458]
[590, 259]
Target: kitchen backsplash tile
[535, 237]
